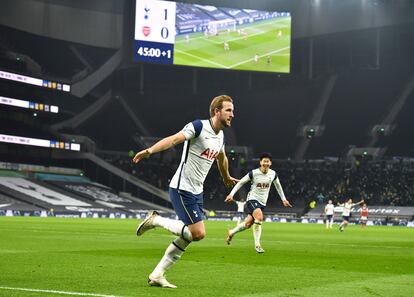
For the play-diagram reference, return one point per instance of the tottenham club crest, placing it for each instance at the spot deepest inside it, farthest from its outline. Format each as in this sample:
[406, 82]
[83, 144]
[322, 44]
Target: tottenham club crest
[146, 31]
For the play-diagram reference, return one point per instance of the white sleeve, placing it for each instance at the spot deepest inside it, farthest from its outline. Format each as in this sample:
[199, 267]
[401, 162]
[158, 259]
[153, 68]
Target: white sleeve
[279, 188]
[188, 131]
[237, 187]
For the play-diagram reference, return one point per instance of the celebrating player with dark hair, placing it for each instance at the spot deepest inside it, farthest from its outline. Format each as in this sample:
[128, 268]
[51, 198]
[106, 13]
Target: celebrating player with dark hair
[261, 179]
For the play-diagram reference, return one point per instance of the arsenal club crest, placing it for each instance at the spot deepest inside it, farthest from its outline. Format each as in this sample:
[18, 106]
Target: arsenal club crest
[146, 31]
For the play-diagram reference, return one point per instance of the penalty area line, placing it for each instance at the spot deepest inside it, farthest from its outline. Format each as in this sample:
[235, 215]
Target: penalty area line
[56, 292]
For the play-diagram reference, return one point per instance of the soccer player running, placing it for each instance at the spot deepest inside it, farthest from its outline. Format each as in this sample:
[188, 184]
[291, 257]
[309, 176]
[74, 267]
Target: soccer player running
[260, 179]
[347, 212]
[204, 143]
[364, 215]
[329, 212]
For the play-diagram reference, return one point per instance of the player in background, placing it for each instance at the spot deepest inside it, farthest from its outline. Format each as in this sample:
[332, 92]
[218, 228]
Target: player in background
[347, 212]
[204, 143]
[240, 209]
[329, 213]
[261, 180]
[187, 38]
[256, 58]
[268, 60]
[279, 33]
[226, 46]
[364, 215]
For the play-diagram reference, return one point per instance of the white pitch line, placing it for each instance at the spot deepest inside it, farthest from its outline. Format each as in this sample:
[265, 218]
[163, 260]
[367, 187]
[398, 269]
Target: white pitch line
[202, 59]
[261, 56]
[56, 292]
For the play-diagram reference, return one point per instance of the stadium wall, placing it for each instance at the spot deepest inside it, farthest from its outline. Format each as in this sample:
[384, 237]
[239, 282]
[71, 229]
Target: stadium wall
[93, 22]
[101, 23]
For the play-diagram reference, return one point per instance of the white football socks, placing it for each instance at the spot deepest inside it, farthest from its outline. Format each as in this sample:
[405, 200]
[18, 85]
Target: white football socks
[257, 232]
[172, 254]
[174, 226]
[240, 227]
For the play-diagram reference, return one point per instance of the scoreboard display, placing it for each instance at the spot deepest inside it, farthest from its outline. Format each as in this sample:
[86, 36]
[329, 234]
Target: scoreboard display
[154, 31]
[176, 33]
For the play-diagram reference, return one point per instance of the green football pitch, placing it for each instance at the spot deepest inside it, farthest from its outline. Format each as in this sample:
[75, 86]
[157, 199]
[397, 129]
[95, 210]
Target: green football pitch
[103, 257]
[262, 39]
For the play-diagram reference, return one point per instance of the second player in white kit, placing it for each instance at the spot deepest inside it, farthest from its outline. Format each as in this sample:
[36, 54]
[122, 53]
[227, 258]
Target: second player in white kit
[261, 180]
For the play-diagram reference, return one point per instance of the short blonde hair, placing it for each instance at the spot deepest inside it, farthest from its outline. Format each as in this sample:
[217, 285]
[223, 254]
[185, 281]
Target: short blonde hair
[217, 102]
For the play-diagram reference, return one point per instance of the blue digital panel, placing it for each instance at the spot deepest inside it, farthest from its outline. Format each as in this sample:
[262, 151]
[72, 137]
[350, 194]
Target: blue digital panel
[154, 52]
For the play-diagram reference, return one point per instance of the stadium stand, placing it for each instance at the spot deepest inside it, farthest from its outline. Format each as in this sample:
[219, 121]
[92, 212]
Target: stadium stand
[16, 55]
[385, 182]
[32, 189]
[164, 101]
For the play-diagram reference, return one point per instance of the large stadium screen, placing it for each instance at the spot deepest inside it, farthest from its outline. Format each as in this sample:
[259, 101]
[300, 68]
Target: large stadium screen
[208, 36]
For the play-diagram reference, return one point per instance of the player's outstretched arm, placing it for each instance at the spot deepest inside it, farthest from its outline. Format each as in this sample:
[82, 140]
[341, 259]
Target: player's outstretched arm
[223, 165]
[358, 203]
[279, 189]
[237, 187]
[162, 145]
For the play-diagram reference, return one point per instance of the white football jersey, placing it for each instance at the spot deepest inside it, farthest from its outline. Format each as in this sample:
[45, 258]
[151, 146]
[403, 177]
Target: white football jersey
[329, 209]
[201, 148]
[347, 208]
[260, 185]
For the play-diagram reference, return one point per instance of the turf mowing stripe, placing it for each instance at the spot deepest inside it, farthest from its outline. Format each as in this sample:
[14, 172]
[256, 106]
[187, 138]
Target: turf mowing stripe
[202, 59]
[56, 292]
[261, 56]
[234, 65]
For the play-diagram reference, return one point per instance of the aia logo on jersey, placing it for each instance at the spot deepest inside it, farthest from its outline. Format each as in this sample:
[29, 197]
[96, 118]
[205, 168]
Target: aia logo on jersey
[146, 31]
[262, 185]
[210, 154]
